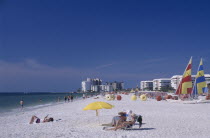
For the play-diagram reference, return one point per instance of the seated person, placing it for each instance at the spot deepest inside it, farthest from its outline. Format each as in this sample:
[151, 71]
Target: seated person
[38, 120]
[128, 115]
[116, 119]
[123, 124]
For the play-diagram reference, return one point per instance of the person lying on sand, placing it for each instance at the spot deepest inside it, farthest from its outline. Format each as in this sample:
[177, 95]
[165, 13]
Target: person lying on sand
[38, 120]
[123, 124]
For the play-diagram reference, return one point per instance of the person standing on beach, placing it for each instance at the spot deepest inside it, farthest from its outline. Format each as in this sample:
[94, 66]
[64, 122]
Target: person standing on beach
[72, 97]
[69, 98]
[65, 98]
[21, 103]
[83, 96]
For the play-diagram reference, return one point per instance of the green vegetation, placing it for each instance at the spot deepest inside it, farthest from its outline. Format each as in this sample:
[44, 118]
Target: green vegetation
[167, 89]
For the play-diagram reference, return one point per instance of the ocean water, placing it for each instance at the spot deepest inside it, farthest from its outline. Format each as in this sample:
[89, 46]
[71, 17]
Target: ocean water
[10, 102]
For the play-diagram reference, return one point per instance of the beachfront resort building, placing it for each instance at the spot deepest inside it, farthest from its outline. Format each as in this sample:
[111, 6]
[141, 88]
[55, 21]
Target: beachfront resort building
[207, 77]
[95, 85]
[175, 80]
[86, 85]
[146, 85]
[91, 85]
[96, 81]
[116, 85]
[160, 83]
[106, 88]
[172, 82]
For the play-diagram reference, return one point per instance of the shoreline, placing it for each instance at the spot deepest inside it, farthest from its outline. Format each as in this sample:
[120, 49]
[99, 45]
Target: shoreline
[10, 102]
[33, 107]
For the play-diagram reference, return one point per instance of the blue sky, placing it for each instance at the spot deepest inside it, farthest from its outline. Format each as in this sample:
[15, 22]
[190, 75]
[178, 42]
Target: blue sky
[48, 45]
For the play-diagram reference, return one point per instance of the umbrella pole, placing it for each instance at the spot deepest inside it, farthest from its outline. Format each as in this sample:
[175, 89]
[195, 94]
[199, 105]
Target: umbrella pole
[96, 112]
[98, 116]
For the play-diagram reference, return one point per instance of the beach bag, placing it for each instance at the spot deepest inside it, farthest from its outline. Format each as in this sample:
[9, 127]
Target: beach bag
[139, 119]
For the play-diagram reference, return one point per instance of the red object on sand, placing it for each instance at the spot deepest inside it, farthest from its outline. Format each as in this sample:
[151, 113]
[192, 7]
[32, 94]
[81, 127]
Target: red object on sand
[208, 97]
[168, 97]
[175, 97]
[119, 97]
[158, 98]
[185, 96]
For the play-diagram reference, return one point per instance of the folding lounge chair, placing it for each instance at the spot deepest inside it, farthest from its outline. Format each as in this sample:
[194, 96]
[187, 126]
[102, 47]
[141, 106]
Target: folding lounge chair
[138, 119]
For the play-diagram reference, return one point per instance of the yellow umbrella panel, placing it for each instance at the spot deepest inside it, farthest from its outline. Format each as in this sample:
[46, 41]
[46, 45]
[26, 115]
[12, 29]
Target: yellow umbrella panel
[98, 105]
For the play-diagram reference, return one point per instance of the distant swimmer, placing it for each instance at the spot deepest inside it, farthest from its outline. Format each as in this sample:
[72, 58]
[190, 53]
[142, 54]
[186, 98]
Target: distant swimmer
[21, 103]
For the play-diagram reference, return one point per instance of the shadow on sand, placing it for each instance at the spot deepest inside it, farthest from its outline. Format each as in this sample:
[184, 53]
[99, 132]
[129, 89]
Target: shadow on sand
[138, 123]
[140, 129]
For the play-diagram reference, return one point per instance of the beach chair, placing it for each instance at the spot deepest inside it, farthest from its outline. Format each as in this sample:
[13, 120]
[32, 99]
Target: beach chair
[130, 126]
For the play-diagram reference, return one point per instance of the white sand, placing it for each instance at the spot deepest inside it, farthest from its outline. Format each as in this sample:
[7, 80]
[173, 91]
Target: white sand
[161, 119]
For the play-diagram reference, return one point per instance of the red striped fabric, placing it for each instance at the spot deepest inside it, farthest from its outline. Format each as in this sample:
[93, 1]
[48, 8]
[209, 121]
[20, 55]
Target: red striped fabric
[185, 86]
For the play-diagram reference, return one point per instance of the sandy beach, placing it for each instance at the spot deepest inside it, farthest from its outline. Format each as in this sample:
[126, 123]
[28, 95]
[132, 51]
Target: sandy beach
[160, 119]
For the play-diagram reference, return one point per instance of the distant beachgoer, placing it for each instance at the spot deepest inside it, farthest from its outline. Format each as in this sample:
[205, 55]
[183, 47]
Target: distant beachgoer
[72, 97]
[69, 98]
[83, 96]
[58, 99]
[65, 98]
[21, 103]
[38, 120]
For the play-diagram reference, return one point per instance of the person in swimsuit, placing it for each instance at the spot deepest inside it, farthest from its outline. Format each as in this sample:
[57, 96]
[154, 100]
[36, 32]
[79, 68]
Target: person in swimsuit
[116, 119]
[35, 119]
[122, 124]
[21, 103]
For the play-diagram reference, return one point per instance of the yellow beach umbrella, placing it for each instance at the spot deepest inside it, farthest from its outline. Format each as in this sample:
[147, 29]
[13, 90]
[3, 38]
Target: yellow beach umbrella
[98, 105]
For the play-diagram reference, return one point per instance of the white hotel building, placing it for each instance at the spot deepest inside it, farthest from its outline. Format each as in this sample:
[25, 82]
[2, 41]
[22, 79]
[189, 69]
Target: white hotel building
[95, 85]
[86, 85]
[173, 82]
[162, 82]
[146, 85]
